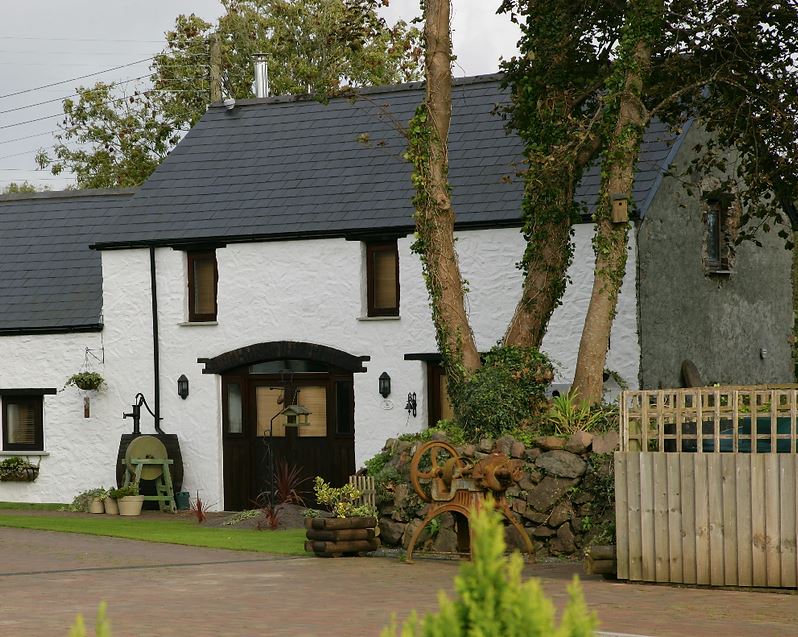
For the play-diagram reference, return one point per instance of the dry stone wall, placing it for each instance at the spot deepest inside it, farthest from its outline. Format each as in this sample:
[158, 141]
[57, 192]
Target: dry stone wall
[564, 499]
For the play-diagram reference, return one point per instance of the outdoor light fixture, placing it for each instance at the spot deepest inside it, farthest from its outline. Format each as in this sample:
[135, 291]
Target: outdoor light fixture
[411, 405]
[385, 385]
[182, 386]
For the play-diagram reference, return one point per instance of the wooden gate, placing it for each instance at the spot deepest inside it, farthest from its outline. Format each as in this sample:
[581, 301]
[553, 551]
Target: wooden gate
[706, 485]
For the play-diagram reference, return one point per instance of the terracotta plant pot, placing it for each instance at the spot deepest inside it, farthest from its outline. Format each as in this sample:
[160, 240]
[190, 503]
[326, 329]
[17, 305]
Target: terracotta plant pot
[96, 506]
[111, 507]
[130, 504]
[332, 537]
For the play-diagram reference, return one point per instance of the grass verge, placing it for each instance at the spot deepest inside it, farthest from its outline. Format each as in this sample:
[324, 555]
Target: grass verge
[31, 506]
[169, 531]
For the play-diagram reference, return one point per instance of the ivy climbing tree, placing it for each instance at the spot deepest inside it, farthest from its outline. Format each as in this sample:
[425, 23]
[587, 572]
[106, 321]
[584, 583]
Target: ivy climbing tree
[589, 78]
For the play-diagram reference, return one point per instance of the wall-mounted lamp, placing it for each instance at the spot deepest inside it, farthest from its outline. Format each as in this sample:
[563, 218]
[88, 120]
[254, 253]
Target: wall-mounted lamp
[385, 385]
[410, 407]
[182, 386]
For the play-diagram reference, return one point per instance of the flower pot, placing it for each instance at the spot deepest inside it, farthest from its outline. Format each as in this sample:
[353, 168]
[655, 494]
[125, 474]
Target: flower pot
[96, 506]
[332, 537]
[130, 504]
[111, 507]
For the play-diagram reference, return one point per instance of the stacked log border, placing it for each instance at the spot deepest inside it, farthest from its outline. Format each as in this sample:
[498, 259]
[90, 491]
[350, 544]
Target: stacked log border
[336, 537]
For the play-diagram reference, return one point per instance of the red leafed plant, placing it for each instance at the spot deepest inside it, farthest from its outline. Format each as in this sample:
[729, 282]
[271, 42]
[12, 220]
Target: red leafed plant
[199, 509]
[269, 516]
[288, 481]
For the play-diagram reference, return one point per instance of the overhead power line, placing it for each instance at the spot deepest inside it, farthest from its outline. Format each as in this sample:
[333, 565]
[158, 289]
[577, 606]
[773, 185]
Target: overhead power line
[21, 37]
[73, 79]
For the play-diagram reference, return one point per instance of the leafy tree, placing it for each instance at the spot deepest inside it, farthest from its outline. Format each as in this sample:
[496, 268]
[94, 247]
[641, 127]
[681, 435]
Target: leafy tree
[23, 186]
[323, 47]
[590, 78]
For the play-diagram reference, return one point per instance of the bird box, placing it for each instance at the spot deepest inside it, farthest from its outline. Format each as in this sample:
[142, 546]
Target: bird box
[620, 208]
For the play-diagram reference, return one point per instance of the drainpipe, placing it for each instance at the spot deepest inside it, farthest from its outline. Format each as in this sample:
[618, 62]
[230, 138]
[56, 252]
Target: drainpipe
[156, 365]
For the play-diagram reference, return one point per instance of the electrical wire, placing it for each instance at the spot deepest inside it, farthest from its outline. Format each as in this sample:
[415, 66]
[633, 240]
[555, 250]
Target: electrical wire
[114, 68]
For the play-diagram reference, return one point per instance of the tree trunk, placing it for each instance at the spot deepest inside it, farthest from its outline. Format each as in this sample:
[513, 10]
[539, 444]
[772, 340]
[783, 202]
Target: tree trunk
[428, 150]
[617, 179]
[549, 250]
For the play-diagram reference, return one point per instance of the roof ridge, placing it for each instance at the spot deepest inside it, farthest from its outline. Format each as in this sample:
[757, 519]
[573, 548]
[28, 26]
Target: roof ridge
[488, 78]
[68, 194]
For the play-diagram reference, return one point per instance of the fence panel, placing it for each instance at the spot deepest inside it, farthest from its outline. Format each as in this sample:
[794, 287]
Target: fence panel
[727, 519]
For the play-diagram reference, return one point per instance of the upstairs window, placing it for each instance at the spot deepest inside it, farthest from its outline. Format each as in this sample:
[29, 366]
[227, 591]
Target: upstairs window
[718, 235]
[202, 282]
[382, 277]
[22, 423]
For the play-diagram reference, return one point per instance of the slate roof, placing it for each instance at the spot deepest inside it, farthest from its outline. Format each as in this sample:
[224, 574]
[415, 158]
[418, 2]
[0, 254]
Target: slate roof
[50, 281]
[291, 166]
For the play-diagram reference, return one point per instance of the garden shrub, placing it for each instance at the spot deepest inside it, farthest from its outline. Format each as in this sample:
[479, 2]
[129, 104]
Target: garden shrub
[509, 389]
[493, 601]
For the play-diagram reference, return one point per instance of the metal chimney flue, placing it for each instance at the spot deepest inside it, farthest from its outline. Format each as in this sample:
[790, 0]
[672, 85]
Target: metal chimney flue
[261, 76]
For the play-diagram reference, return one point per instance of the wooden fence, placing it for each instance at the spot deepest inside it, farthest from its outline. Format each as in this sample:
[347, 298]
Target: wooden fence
[706, 485]
[365, 484]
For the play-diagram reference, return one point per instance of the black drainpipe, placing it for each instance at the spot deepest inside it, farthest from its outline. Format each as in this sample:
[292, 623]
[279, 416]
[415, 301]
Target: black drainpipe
[156, 365]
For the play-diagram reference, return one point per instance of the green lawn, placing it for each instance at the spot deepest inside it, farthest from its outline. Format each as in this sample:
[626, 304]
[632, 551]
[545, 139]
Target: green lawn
[168, 530]
[30, 506]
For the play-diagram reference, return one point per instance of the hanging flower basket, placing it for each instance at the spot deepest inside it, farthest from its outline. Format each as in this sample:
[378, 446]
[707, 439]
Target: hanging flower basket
[87, 381]
[16, 469]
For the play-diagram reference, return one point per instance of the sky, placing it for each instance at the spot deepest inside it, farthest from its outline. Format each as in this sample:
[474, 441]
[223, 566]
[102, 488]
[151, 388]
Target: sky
[48, 41]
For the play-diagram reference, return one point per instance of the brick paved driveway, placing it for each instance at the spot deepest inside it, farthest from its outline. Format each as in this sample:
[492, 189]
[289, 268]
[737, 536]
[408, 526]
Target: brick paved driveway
[159, 590]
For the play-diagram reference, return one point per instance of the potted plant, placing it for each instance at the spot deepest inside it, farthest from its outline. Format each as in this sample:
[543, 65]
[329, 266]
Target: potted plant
[16, 469]
[129, 500]
[109, 502]
[94, 500]
[351, 530]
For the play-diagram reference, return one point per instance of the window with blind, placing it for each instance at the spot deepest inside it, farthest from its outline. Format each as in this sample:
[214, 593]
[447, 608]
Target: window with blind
[22, 423]
[202, 280]
[382, 277]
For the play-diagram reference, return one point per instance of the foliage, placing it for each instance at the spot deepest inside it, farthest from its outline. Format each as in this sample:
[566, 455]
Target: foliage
[21, 187]
[87, 381]
[102, 626]
[494, 601]
[269, 516]
[199, 509]
[113, 138]
[130, 489]
[246, 514]
[568, 414]
[341, 501]
[376, 464]
[507, 390]
[731, 66]
[168, 529]
[14, 467]
[82, 500]
[599, 483]
[288, 481]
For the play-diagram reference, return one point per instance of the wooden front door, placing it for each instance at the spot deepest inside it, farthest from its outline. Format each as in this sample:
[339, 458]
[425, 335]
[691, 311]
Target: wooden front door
[256, 440]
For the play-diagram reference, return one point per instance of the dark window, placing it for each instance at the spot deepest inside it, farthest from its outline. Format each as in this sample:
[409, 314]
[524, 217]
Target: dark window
[382, 276]
[22, 423]
[718, 248]
[202, 279]
[440, 408]
[343, 407]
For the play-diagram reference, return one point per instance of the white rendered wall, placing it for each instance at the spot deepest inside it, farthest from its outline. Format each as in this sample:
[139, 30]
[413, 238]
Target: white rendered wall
[312, 291]
[80, 452]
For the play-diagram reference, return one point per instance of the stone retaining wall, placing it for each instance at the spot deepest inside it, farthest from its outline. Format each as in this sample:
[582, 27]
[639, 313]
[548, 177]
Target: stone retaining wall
[564, 500]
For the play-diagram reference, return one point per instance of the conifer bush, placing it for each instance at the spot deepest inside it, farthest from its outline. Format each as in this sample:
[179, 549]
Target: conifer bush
[493, 601]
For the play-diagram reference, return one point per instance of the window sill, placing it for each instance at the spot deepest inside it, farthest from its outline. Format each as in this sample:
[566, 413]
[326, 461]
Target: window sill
[720, 272]
[197, 323]
[378, 318]
[25, 453]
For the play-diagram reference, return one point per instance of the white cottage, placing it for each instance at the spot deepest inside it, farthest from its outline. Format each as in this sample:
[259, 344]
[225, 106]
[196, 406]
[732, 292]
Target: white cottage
[268, 259]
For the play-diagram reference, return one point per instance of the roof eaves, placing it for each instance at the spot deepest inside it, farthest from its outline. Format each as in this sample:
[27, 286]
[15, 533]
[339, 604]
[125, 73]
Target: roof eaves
[25, 331]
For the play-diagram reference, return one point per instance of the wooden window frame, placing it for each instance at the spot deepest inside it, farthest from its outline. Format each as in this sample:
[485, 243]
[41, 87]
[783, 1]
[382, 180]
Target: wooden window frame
[193, 256]
[37, 401]
[371, 249]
